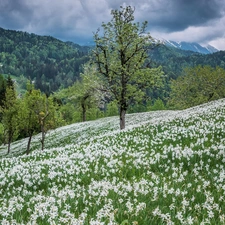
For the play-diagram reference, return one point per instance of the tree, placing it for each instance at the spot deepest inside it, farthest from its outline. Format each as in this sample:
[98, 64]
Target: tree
[10, 119]
[29, 121]
[112, 109]
[46, 113]
[2, 92]
[85, 92]
[120, 55]
[197, 85]
[38, 114]
[158, 105]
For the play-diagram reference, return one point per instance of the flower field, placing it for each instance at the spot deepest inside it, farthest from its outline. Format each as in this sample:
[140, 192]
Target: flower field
[166, 167]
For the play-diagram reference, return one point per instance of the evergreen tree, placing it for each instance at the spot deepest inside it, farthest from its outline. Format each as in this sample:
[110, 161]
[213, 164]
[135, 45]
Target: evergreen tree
[10, 118]
[2, 92]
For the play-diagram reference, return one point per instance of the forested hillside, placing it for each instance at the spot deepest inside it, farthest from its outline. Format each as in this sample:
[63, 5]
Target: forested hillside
[175, 60]
[48, 61]
[55, 64]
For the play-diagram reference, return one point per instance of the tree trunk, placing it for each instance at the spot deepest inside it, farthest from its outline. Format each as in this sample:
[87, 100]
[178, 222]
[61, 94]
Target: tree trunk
[42, 137]
[9, 143]
[43, 131]
[9, 140]
[83, 113]
[28, 144]
[122, 118]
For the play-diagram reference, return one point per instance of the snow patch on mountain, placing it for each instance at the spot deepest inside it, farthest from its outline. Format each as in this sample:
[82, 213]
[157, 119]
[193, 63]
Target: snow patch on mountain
[190, 46]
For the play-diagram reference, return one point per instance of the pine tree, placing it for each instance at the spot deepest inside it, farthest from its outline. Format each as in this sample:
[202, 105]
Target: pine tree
[10, 117]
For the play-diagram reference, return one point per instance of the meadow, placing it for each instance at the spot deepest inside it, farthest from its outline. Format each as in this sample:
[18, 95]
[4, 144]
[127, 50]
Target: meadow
[166, 167]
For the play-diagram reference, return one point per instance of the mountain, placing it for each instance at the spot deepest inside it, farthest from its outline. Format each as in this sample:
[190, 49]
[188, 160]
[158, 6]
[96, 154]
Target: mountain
[191, 46]
[54, 64]
[174, 60]
[51, 63]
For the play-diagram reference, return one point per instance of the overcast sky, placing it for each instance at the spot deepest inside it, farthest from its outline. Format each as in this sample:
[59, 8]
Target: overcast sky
[201, 21]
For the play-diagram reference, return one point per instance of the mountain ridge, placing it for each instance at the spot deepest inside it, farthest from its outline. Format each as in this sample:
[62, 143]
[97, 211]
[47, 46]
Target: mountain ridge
[190, 46]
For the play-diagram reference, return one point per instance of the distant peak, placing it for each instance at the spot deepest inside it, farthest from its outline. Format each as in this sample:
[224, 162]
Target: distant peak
[190, 46]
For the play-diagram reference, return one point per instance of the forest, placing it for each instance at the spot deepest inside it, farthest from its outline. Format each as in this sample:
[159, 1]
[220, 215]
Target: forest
[49, 62]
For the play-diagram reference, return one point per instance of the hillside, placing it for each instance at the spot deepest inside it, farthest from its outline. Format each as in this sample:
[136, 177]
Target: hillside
[46, 60]
[166, 167]
[174, 60]
[54, 64]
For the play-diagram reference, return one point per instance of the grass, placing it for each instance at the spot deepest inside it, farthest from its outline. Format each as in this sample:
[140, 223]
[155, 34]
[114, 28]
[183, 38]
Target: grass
[166, 167]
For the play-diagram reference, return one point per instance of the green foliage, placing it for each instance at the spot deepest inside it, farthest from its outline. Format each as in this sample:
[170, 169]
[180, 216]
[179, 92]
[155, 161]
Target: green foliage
[94, 113]
[85, 93]
[198, 85]
[35, 56]
[112, 109]
[158, 105]
[120, 55]
[69, 113]
[10, 118]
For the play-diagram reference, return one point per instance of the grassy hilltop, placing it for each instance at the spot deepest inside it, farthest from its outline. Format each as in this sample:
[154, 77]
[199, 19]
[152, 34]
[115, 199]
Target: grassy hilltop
[166, 167]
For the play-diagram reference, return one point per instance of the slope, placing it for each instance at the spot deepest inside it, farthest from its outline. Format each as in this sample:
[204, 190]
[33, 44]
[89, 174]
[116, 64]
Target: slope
[167, 167]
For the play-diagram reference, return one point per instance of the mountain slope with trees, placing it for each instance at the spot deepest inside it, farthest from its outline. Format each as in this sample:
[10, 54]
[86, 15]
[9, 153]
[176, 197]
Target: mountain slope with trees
[51, 63]
[175, 60]
[54, 64]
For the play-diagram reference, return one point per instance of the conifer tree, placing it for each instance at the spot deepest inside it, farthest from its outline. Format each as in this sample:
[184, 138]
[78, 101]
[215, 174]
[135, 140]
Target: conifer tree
[10, 117]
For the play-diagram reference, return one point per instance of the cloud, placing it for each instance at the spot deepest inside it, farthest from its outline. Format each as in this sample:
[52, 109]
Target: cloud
[76, 20]
[178, 15]
[12, 13]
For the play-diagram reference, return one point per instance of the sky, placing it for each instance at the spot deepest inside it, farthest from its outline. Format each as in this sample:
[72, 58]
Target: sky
[201, 21]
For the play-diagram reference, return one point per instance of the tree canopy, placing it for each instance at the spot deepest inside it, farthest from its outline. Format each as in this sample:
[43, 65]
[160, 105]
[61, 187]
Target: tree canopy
[197, 85]
[85, 93]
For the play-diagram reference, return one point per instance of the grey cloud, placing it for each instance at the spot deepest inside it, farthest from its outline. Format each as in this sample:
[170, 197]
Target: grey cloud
[14, 13]
[174, 15]
[177, 15]
[78, 19]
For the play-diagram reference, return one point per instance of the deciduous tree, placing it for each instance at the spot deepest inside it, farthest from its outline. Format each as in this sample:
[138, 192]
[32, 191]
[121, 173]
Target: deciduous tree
[38, 114]
[120, 55]
[85, 92]
[197, 85]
